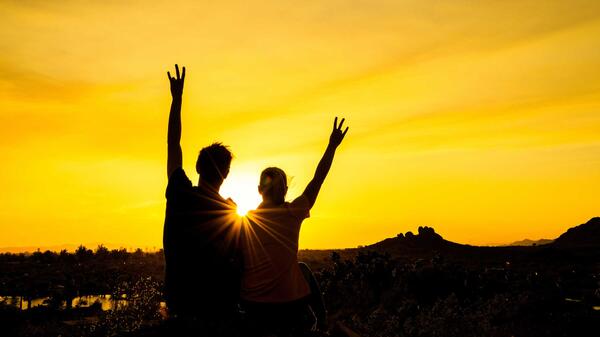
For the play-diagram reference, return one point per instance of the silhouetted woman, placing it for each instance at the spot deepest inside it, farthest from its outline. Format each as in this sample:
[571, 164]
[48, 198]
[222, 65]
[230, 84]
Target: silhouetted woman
[275, 289]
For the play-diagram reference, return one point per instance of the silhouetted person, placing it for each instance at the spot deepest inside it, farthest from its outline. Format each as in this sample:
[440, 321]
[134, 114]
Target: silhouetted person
[275, 293]
[202, 266]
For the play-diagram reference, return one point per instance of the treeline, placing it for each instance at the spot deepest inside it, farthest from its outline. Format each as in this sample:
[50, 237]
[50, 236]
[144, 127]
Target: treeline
[64, 275]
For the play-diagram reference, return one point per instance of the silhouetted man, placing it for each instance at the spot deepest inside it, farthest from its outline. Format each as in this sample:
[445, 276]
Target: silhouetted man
[202, 275]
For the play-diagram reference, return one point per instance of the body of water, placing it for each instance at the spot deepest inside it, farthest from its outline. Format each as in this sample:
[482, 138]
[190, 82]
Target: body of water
[106, 302]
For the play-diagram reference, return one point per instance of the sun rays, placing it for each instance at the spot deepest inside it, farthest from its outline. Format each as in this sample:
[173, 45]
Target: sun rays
[253, 232]
[241, 187]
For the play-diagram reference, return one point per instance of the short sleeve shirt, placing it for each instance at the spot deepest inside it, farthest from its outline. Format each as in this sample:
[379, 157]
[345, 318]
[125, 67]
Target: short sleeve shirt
[270, 248]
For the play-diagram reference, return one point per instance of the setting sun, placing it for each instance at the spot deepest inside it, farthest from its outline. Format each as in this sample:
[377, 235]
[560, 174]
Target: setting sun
[242, 189]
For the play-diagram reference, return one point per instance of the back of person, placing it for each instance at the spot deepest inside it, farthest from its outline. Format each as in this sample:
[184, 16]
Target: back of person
[202, 271]
[274, 292]
[270, 247]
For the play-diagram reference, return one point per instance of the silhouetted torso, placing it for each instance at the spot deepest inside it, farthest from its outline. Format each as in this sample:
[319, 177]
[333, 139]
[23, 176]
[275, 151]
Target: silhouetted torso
[202, 272]
[270, 248]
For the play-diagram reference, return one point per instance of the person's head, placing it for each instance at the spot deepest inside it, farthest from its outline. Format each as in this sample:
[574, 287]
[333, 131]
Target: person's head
[213, 164]
[273, 185]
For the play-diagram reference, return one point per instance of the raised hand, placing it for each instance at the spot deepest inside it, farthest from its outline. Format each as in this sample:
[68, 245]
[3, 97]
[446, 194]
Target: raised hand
[314, 186]
[177, 82]
[175, 155]
[337, 135]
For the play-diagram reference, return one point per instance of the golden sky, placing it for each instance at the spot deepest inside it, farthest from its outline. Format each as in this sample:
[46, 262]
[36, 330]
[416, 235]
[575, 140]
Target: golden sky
[479, 118]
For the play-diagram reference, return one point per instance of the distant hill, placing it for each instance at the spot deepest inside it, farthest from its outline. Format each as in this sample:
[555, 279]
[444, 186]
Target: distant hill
[584, 235]
[528, 242]
[425, 239]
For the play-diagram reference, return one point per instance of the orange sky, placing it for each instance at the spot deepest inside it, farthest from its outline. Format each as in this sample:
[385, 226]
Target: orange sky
[479, 118]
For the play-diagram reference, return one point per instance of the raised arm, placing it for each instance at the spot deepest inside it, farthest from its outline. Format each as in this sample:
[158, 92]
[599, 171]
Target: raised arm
[313, 188]
[174, 153]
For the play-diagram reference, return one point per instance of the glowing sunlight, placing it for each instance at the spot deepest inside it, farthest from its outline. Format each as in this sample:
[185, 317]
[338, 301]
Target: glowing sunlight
[242, 189]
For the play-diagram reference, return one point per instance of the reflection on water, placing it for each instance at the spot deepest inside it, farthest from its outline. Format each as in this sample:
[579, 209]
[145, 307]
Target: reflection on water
[106, 302]
[20, 302]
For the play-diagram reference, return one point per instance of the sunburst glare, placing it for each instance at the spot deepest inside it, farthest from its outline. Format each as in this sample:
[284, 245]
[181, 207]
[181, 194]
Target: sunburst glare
[242, 189]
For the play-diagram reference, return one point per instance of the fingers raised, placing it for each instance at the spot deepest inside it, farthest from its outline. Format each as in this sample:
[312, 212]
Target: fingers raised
[177, 71]
[335, 123]
[183, 74]
[341, 124]
[169, 76]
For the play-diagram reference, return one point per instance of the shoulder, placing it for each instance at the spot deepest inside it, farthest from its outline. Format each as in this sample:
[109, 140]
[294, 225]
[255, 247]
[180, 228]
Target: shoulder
[177, 174]
[299, 207]
[300, 202]
[178, 180]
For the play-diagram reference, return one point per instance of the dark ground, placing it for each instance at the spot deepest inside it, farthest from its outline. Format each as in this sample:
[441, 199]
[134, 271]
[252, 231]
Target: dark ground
[411, 285]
